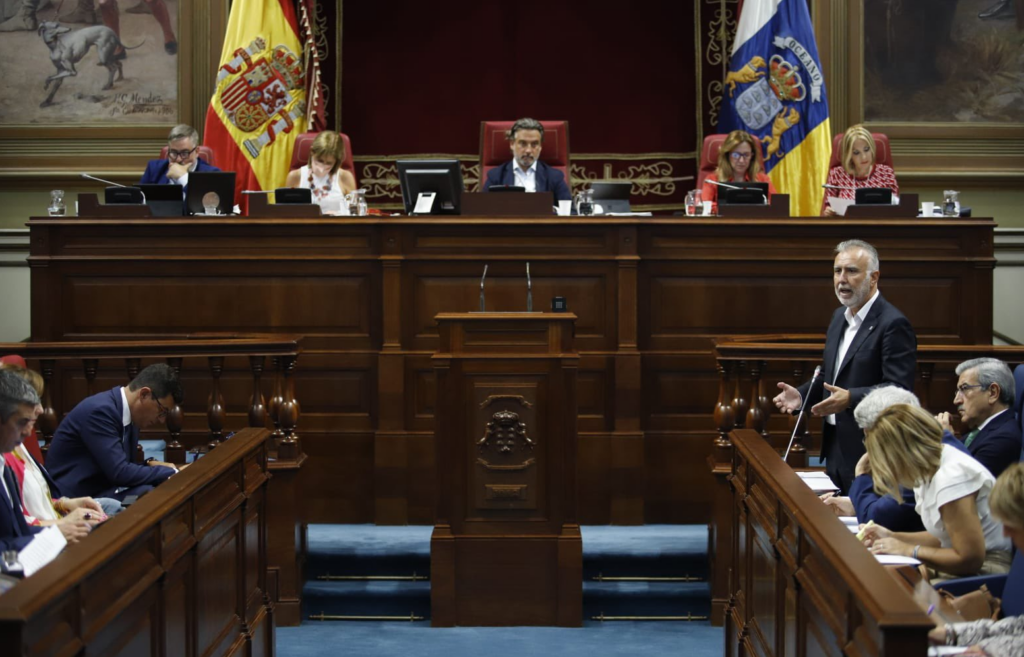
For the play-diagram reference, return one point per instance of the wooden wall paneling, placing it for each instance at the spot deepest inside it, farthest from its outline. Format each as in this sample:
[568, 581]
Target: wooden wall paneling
[221, 608]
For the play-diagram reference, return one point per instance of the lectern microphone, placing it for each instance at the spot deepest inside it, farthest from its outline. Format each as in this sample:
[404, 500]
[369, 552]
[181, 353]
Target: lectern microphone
[803, 405]
[108, 182]
[483, 306]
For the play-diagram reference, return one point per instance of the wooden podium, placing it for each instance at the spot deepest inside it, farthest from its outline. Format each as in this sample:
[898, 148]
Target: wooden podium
[506, 547]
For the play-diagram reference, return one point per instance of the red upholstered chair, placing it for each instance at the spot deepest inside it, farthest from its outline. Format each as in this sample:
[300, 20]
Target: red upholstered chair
[205, 152]
[883, 153]
[709, 156]
[300, 153]
[494, 148]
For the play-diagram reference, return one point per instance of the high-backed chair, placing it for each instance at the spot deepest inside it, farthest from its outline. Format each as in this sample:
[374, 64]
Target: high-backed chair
[883, 153]
[709, 156]
[494, 148]
[300, 153]
[205, 153]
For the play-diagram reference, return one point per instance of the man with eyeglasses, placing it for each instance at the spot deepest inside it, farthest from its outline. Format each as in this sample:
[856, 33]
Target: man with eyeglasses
[93, 447]
[182, 159]
[984, 398]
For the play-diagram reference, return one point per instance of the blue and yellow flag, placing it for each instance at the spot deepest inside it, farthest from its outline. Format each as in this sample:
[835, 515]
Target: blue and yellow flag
[775, 90]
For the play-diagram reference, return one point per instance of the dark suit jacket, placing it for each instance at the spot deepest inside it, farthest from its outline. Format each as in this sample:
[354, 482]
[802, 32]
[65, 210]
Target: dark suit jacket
[897, 515]
[156, 171]
[998, 445]
[91, 455]
[15, 533]
[883, 352]
[548, 179]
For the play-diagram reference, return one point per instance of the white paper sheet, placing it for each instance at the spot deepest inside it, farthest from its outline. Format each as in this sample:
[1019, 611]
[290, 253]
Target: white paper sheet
[896, 560]
[44, 547]
[839, 205]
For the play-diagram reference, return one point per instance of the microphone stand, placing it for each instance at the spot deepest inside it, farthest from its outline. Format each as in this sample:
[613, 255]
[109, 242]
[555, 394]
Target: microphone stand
[803, 405]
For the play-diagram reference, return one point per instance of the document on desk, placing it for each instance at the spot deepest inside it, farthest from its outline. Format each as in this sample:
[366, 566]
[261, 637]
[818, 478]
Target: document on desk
[839, 205]
[896, 560]
[44, 547]
[818, 481]
[942, 651]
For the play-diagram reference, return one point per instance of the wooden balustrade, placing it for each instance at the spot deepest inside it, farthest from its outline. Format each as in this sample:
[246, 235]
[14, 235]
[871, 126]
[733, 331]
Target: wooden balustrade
[58, 362]
[748, 373]
[184, 571]
[50, 357]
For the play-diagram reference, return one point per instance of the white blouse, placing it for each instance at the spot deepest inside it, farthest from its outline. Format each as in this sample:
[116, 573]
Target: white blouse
[959, 475]
[327, 192]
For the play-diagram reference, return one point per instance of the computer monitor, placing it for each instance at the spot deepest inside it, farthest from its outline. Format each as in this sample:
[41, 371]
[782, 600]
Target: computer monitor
[293, 196]
[123, 196]
[441, 177]
[612, 196]
[873, 196]
[164, 200]
[210, 188]
[749, 193]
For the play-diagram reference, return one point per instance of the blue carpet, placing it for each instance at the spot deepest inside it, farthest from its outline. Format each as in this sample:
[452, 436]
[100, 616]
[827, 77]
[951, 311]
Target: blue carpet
[593, 640]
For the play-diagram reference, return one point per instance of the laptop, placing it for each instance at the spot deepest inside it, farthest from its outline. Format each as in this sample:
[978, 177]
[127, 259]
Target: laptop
[210, 189]
[749, 193]
[164, 200]
[612, 196]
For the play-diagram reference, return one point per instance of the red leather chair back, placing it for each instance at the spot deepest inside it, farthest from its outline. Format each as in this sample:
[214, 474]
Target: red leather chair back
[494, 147]
[303, 143]
[205, 153]
[883, 153]
[709, 156]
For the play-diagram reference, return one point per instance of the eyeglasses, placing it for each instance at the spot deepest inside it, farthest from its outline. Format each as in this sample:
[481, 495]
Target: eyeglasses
[163, 409]
[964, 387]
[180, 155]
[740, 156]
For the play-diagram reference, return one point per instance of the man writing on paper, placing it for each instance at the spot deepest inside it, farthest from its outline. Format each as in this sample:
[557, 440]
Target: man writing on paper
[526, 138]
[869, 343]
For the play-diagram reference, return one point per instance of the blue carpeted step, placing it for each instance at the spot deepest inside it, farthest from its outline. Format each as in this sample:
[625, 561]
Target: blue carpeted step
[646, 599]
[367, 550]
[645, 551]
[362, 598]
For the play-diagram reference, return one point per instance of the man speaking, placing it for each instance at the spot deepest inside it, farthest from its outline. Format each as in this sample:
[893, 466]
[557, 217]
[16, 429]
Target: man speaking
[869, 343]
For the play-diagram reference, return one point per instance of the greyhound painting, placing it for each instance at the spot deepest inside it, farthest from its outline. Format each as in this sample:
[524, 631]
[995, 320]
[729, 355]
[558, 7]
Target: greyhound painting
[68, 47]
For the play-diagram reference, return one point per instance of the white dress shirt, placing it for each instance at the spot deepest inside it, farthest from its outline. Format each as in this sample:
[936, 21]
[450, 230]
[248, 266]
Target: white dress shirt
[528, 178]
[853, 324]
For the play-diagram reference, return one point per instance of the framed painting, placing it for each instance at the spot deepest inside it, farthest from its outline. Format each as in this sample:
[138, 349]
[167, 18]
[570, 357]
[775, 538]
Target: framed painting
[101, 81]
[944, 79]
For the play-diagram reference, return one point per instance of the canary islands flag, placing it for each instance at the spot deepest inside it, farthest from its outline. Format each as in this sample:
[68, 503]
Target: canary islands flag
[775, 90]
[259, 102]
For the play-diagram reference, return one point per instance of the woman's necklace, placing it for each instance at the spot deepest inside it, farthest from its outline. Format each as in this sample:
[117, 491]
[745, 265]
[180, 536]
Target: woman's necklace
[320, 192]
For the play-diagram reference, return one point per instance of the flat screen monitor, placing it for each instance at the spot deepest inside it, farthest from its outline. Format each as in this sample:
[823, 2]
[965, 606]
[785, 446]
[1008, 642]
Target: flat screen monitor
[612, 196]
[442, 177]
[749, 193]
[164, 200]
[123, 195]
[210, 189]
[873, 196]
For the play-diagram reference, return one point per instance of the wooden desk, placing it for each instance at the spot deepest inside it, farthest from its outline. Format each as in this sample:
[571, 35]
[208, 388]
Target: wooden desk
[650, 294]
[801, 584]
[181, 572]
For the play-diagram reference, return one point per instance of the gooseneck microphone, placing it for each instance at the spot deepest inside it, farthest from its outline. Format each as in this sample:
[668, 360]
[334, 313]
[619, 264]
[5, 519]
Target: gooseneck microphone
[529, 290]
[107, 182]
[722, 184]
[483, 306]
[803, 405]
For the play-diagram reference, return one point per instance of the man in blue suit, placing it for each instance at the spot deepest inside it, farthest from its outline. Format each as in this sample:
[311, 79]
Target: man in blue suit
[526, 138]
[91, 452]
[182, 159]
[984, 399]
[869, 343]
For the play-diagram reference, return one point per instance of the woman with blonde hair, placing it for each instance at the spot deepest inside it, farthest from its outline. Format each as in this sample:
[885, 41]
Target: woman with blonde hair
[857, 169]
[952, 491]
[739, 160]
[1005, 637]
[324, 175]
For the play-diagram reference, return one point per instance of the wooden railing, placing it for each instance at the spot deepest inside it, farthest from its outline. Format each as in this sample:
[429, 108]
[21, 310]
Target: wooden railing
[748, 374]
[801, 583]
[180, 572]
[282, 409]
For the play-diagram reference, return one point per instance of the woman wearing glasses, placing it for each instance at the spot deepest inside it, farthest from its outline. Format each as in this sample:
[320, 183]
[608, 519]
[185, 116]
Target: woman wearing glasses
[857, 169]
[739, 160]
[952, 490]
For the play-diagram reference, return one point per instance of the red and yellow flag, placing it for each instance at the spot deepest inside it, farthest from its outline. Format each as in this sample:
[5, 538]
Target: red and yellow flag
[259, 102]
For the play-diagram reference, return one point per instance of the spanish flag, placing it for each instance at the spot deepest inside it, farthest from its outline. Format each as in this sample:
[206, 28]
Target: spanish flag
[259, 102]
[775, 90]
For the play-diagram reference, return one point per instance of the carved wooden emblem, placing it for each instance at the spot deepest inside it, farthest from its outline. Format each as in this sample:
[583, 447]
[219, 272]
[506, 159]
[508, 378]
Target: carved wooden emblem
[505, 433]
